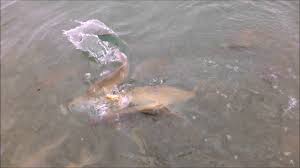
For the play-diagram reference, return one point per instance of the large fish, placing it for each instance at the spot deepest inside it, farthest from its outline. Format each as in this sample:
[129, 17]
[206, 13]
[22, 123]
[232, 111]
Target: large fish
[110, 106]
[147, 99]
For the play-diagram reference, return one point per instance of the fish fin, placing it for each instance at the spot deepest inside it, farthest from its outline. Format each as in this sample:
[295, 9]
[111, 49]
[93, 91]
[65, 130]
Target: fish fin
[155, 109]
[151, 109]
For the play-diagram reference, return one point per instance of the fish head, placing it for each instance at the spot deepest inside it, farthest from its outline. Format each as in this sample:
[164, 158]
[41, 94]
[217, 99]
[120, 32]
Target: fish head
[82, 104]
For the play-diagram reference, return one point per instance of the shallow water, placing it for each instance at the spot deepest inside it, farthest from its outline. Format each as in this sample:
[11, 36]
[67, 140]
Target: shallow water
[243, 56]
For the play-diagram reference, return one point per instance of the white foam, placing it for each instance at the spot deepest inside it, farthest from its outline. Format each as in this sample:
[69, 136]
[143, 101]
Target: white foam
[101, 109]
[124, 101]
[292, 103]
[90, 27]
[85, 37]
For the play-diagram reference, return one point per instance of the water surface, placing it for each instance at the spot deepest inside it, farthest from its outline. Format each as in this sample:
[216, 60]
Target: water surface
[242, 55]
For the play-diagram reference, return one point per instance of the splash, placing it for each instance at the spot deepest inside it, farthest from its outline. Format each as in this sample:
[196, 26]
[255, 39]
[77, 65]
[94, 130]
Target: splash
[99, 110]
[288, 111]
[87, 37]
[292, 103]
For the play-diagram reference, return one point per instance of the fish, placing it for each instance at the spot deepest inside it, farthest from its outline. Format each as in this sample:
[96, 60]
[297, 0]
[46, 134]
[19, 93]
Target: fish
[110, 106]
[151, 100]
[113, 118]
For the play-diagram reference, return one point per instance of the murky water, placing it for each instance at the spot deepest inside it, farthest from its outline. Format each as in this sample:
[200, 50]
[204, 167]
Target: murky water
[242, 56]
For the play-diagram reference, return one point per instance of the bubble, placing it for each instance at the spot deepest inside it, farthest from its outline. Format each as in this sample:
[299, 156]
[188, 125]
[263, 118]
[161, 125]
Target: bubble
[292, 103]
[292, 162]
[228, 105]
[287, 153]
[235, 68]
[228, 137]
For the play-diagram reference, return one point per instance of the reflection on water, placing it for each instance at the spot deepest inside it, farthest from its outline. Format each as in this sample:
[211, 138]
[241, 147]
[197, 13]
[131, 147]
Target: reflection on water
[244, 55]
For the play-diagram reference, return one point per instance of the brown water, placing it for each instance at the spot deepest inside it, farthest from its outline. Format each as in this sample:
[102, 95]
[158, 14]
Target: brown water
[242, 55]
